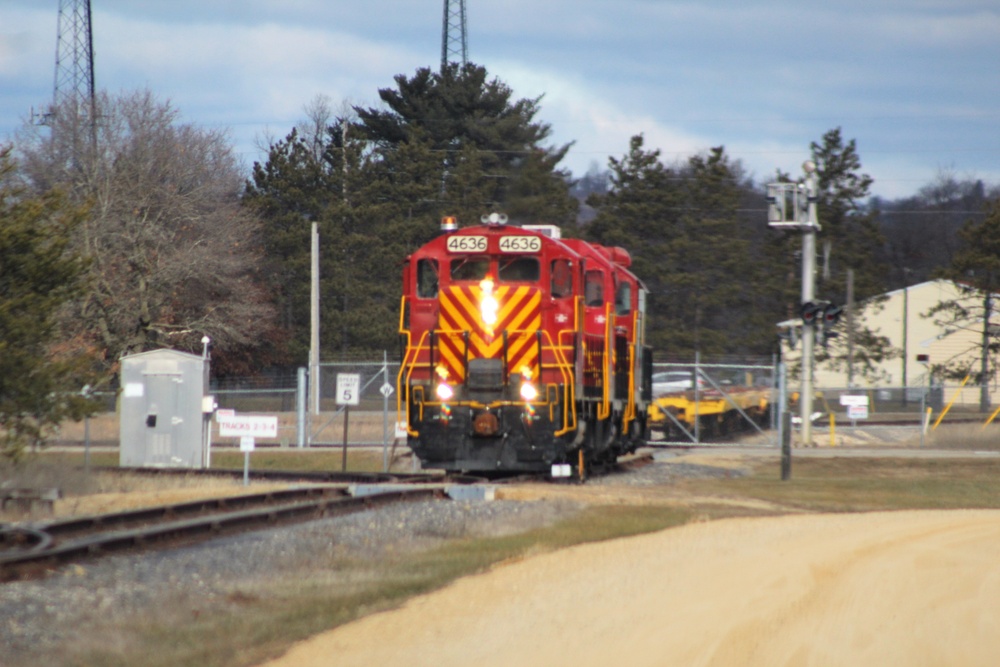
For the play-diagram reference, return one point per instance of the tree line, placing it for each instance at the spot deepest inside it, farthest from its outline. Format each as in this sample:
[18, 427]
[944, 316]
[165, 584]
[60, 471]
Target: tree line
[147, 232]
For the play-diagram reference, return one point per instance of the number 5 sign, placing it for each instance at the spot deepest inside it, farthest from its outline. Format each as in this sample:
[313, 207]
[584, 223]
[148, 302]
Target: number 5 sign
[348, 388]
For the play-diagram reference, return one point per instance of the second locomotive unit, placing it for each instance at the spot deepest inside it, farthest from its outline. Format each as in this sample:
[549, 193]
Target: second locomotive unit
[524, 351]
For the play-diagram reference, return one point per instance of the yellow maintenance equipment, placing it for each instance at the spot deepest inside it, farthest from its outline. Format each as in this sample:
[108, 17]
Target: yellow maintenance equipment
[717, 413]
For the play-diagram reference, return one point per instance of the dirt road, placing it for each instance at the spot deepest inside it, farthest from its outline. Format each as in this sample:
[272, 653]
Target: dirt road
[902, 588]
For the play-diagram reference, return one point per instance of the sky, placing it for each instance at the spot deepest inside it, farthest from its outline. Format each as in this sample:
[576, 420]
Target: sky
[913, 82]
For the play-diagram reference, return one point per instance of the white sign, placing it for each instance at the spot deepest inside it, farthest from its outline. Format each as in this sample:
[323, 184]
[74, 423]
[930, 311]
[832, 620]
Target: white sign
[257, 426]
[857, 412]
[348, 388]
[520, 244]
[386, 390]
[246, 443]
[401, 430]
[460, 243]
[853, 400]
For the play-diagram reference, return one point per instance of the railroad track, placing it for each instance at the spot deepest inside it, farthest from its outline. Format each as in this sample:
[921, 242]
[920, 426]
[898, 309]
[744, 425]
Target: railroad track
[31, 550]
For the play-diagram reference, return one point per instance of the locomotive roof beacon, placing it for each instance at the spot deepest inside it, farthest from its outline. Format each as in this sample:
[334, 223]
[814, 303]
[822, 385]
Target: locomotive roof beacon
[522, 351]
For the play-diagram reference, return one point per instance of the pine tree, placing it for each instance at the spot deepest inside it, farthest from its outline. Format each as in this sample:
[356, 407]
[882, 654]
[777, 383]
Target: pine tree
[688, 247]
[489, 146]
[976, 269]
[42, 374]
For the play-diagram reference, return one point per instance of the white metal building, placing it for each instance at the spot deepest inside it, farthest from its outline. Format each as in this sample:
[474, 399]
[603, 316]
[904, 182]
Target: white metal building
[920, 341]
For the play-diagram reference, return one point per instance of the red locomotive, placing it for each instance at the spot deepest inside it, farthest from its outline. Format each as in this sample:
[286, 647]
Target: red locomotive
[524, 351]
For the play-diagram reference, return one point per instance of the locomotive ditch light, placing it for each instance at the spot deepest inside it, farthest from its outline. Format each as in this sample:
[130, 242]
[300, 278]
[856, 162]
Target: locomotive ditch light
[528, 391]
[444, 391]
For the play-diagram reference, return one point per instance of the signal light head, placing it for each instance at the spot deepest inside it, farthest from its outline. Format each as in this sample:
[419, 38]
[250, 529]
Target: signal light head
[810, 311]
[831, 314]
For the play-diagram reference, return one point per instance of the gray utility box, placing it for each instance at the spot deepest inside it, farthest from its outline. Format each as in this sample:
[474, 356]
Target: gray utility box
[163, 418]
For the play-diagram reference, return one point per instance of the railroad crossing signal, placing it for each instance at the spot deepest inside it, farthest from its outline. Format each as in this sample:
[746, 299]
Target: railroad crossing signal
[826, 313]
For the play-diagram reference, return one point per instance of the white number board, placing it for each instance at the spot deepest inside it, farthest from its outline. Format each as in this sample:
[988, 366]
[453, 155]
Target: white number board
[520, 244]
[348, 388]
[466, 244]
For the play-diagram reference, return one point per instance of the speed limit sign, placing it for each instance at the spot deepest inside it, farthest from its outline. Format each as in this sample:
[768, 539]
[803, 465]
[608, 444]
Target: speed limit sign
[348, 388]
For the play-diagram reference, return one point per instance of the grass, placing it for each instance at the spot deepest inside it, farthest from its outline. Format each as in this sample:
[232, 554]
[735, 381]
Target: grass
[866, 484]
[259, 621]
[256, 624]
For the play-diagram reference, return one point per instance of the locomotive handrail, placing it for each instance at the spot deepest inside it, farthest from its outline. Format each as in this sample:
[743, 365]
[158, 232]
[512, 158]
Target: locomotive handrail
[630, 410]
[604, 410]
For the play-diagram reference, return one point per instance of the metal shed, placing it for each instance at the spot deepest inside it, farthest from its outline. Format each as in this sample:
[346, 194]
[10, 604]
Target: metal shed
[163, 420]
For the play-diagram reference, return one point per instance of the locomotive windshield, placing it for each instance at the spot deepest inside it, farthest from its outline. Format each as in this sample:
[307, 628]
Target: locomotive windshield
[470, 268]
[519, 269]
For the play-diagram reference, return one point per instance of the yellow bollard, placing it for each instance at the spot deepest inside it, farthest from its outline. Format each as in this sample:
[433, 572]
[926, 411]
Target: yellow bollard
[951, 402]
[992, 417]
[833, 429]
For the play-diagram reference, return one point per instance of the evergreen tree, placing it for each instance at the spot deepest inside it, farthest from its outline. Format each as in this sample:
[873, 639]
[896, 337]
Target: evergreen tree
[853, 234]
[682, 228]
[450, 144]
[489, 146]
[42, 372]
[976, 269]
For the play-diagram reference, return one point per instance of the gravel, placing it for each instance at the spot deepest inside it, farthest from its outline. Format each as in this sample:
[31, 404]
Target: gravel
[40, 616]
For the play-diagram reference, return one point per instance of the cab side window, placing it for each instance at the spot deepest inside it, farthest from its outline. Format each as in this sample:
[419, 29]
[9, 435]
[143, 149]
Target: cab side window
[427, 278]
[562, 278]
[623, 299]
[593, 290]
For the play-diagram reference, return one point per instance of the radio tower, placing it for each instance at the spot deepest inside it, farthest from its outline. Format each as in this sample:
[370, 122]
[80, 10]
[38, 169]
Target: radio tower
[454, 44]
[74, 82]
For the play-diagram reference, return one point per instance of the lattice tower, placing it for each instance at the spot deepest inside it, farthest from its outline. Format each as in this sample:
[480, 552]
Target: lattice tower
[454, 43]
[74, 81]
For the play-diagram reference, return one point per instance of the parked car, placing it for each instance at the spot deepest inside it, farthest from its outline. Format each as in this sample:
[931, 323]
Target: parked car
[669, 382]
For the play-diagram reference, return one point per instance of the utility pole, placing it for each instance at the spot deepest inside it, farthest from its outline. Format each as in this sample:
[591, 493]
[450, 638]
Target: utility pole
[314, 385]
[786, 211]
[454, 43]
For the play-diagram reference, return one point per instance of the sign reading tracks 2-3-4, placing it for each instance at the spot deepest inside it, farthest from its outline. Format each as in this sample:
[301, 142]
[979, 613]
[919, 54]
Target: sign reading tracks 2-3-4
[255, 426]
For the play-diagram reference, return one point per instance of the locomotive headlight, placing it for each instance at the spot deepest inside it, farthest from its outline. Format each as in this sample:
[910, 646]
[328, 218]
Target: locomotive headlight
[488, 305]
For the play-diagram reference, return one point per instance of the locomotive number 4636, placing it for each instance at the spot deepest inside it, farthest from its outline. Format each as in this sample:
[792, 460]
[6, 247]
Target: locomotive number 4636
[467, 244]
[520, 244]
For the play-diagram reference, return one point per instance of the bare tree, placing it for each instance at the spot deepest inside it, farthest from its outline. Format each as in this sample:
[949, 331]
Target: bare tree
[172, 251]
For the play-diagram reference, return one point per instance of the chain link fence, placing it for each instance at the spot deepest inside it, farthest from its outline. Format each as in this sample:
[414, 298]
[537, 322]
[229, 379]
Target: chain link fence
[720, 401]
